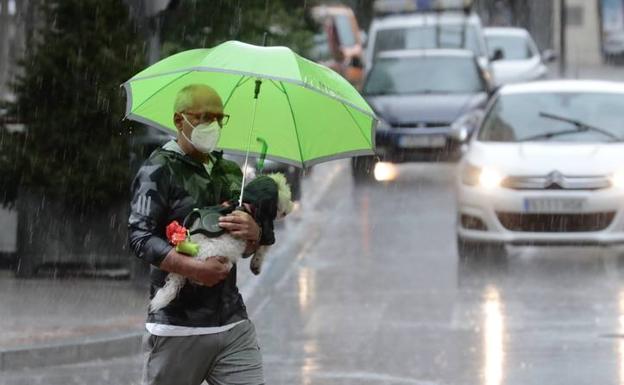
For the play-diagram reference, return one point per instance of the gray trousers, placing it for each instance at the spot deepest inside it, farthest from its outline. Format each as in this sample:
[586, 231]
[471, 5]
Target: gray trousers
[227, 358]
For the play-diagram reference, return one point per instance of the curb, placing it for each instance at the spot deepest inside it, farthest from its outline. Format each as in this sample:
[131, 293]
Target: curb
[69, 353]
[128, 343]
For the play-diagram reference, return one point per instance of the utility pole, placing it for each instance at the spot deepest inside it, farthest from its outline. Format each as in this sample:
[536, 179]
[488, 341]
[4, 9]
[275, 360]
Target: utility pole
[562, 37]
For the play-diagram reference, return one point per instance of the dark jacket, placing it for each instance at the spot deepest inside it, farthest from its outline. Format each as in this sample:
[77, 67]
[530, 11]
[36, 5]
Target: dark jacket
[166, 188]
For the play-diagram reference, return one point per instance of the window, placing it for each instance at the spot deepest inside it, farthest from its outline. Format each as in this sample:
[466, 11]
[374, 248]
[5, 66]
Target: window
[432, 74]
[426, 37]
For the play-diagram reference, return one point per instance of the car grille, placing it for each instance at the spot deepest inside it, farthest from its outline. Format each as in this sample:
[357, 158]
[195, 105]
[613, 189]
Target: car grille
[556, 181]
[421, 125]
[556, 223]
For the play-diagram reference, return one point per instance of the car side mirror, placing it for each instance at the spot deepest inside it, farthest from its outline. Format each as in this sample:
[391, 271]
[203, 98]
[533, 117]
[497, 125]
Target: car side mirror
[549, 56]
[464, 126]
[459, 134]
[498, 55]
[493, 90]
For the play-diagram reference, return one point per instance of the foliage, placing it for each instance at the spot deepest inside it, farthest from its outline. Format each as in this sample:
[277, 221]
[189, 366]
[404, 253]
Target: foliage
[74, 146]
[200, 24]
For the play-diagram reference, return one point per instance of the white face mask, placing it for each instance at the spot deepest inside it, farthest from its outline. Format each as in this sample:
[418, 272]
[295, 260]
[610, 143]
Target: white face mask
[204, 136]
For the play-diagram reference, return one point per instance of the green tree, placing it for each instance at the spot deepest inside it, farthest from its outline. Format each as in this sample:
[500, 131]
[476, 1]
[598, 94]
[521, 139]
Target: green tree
[74, 146]
[201, 24]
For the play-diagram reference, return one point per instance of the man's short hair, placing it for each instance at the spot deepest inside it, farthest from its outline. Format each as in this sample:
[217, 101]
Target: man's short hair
[184, 98]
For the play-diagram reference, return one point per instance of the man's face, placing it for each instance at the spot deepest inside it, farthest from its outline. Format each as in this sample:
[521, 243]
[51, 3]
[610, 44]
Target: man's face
[206, 108]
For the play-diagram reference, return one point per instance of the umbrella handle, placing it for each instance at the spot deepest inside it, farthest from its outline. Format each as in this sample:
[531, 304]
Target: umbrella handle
[257, 90]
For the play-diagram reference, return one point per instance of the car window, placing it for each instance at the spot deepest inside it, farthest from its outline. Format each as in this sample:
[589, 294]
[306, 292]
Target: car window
[427, 37]
[424, 75]
[515, 117]
[345, 30]
[513, 47]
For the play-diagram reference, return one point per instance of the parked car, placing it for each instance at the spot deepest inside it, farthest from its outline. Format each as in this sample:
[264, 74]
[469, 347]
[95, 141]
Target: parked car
[338, 43]
[546, 167]
[418, 94]
[427, 30]
[515, 56]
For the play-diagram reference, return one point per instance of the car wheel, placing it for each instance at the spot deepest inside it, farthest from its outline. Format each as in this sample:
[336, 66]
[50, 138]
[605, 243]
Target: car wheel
[362, 169]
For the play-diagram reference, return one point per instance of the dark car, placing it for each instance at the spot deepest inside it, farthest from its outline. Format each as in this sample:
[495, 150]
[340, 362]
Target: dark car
[418, 94]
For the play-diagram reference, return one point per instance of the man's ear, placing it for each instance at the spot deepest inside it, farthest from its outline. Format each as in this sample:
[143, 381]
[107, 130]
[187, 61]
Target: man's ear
[178, 120]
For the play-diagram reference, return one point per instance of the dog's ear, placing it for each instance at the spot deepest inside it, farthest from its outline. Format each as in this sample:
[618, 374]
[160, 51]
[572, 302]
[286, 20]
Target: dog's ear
[284, 194]
[283, 187]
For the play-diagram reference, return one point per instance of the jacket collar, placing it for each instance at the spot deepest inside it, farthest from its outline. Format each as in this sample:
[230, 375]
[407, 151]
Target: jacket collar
[173, 147]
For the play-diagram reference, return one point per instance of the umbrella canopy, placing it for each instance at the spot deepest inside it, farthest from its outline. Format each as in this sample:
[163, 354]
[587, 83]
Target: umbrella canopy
[305, 114]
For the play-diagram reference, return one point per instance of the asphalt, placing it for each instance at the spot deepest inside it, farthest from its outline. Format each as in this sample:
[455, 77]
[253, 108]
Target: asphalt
[60, 318]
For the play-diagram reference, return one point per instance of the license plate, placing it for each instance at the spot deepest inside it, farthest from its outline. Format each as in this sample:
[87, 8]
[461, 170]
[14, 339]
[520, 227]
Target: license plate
[422, 141]
[554, 205]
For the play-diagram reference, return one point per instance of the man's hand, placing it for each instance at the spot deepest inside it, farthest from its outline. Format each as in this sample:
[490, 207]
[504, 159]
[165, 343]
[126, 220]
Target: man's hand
[241, 225]
[212, 271]
[208, 273]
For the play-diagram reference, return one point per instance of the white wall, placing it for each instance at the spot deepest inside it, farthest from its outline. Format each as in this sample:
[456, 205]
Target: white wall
[583, 41]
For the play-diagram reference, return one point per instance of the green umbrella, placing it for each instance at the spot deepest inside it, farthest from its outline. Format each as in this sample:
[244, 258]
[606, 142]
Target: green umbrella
[301, 112]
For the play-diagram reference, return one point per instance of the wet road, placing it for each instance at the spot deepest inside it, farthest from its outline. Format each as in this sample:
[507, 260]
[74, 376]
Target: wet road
[374, 294]
[380, 298]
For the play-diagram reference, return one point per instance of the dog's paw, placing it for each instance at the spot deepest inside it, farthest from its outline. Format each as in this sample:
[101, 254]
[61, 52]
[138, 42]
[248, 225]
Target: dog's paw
[255, 268]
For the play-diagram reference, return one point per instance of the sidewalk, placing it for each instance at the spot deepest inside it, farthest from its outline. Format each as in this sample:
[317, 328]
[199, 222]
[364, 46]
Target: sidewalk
[47, 321]
[594, 72]
[51, 321]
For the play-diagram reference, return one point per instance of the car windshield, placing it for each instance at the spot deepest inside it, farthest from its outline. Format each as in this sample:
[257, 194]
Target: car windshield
[427, 37]
[426, 74]
[555, 117]
[513, 47]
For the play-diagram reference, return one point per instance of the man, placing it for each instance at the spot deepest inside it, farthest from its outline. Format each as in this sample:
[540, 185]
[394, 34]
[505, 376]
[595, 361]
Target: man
[204, 333]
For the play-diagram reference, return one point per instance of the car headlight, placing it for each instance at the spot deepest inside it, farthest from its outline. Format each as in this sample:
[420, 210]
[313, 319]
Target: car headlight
[485, 177]
[250, 172]
[617, 179]
[463, 126]
[382, 125]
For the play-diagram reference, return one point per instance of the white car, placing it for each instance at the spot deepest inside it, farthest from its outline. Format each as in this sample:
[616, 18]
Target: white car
[545, 167]
[515, 56]
[427, 30]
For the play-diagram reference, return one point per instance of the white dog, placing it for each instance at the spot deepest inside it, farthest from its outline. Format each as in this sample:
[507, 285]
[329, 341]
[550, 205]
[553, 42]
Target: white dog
[267, 197]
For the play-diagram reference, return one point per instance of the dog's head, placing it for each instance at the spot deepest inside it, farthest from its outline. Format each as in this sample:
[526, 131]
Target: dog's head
[284, 195]
[270, 196]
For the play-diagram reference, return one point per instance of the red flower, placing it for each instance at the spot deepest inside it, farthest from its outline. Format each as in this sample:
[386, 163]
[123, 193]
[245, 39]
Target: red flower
[176, 233]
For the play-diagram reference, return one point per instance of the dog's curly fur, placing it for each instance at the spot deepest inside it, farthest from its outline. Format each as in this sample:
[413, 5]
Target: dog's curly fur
[225, 246]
